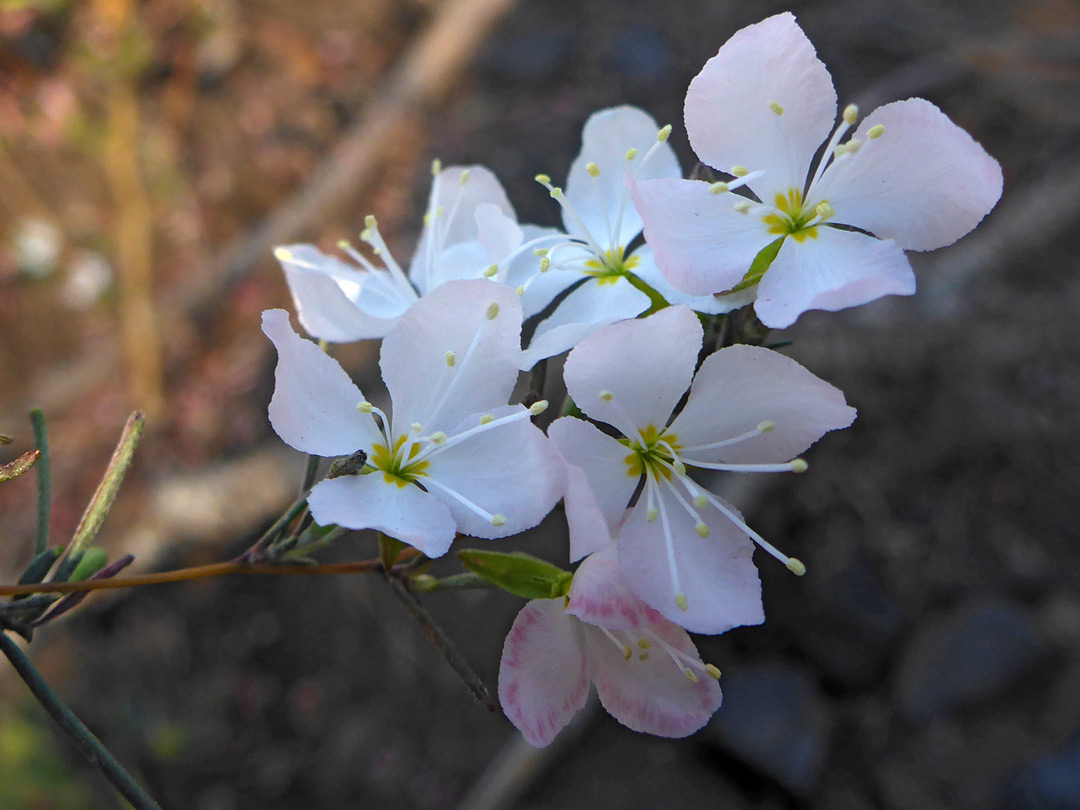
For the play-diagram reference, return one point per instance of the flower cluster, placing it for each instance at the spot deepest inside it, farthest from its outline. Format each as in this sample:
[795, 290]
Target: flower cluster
[657, 398]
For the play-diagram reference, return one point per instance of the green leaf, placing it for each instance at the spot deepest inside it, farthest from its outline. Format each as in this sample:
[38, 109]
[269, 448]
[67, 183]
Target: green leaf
[518, 573]
[389, 549]
[93, 560]
[757, 269]
[39, 566]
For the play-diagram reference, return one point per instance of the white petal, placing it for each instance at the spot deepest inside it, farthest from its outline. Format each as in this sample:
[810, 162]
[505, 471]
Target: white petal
[452, 206]
[923, 183]
[498, 232]
[523, 268]
[838, 269]
[545, 288]
[543, 674]
[336, 302]
[465, 260]
[728, 117]
[647, 271]
[740, 387]
[631, 374]
[601, 596]
[654, 695]
[510, 470]
[602, 201]
[701, 243]
[590, 306]
[454, 318]
[314, 404]
[378, 501]
[716, 573]
[598, 484]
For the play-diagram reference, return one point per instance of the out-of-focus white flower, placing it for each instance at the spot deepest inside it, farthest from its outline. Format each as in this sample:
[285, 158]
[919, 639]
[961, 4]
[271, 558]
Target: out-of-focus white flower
[36, 245]
[88, 277]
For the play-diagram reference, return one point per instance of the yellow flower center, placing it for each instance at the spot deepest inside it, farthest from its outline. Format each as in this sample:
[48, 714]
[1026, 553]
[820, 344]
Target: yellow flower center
[652, 453]
[794, 216]
[612, 266]
[394, 465]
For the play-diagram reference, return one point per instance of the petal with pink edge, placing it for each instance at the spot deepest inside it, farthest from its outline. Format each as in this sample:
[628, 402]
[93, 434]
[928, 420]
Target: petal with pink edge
[314, 404]
[836, 270]
[716, 573]
[729, 114]
[651, 692]
[544, 672]
[600, 595]
[700, 242]
[598, 484]
[739, 388]
[924, 182]
[632, 374]
[477, 324]
[379, 501]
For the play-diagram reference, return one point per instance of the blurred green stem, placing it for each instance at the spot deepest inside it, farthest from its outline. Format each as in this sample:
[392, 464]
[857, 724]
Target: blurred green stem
[44, 481]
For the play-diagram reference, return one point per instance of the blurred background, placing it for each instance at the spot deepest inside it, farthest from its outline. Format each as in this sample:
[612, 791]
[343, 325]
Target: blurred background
[151, 154]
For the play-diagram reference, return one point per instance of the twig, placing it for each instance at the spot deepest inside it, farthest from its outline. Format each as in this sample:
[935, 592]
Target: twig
[89, 745]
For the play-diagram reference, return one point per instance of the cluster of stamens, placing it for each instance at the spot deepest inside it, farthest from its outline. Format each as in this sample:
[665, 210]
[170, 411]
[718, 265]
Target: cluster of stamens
[640, 646]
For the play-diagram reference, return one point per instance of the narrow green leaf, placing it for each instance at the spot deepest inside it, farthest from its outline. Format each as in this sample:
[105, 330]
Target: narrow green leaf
[518, 573]
[757, 269]
[389, 549]
[93, 560]
[44, 481]
[39, 566]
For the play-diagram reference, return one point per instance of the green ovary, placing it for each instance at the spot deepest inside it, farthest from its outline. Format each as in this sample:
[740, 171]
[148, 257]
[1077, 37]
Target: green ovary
[395, 467]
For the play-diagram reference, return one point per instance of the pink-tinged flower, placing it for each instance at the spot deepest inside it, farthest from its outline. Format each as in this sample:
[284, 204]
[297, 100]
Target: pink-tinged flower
[601, 222]
[647, 671]
[683, 550]
[470, 231]
[455, 457]
[760, 110]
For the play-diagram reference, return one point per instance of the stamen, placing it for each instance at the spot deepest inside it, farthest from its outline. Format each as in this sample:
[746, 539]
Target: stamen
[689, 673]
[487, 419]
[606, 396]
[542, 179]
[538, 407]
[626, 651]
[437, 438]
[545, 264]
[282, 254]
[824, 210]
[417, 427]
[875, 132]
[651, 514]
[763, 427]
[492, 271]
[795, 465]
[767, 426]
[631, 153]
[713, 672]
[776, 108]
[701, 529]
[796, 566]
[680, 601]
[498, 520]
[757, 538]
[436, 167]
[740, 171]
[743, 207]
[592, 169]
[492, 311]
[487, 422]
[643, 643]
[464, 179]
[798, 465]
[669, 544]
[365, 407]
[851, 114]
[664, 133]
[457, 496]
[371, 235]
[451, 359]
[538, 252]
[719, 188]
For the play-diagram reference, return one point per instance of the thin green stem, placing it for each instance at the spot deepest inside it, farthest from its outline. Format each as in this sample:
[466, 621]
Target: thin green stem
[89, 745]
[44, 481]
[309, 474]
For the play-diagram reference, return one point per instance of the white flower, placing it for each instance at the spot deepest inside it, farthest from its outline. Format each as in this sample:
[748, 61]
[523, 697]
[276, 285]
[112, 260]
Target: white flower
[601, 222]
[647, 671]
[470, 231]
[683, 550]
[760, 110]
[454, 457]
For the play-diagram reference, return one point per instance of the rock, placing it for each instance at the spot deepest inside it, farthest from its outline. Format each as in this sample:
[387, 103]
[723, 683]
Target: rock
[968, 656]
[1049, 783]
[776, 720]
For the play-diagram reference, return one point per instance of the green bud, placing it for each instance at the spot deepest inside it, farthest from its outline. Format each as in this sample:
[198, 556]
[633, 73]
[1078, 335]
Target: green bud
[518, 573]
[93, 560]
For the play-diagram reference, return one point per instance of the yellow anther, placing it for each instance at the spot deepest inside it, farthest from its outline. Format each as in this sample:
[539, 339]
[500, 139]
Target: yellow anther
[545, 264]
[652, 514]
[556, 193]
[487, 419]
[282, 254]
[824, 210]
[365, 235]
[592, 169]
[766, 426]
[492, 271]
[627, 652]
[853, 146]
[438, 437]
[743, 207]
[542, 179]
[875, 132]
[680, 468]
[417, 427]
[680, 601]
[492, 311]
[776, 108]
[796, 567]
[700, 501]
[643, 643]
[538, 407]
[643, 657]
[631, 153]
[427, 217]
[690, 676]
[740, 171]
[498, 520]
[540, 251]
[798, 465]
[344, 244]
[702, 529]
[606, 396]
[851, 113]
[712, 671]
[718, 188]
[365, 407]
[370, 222]
[520, 290]
[436, 167]
[464, 177]
[664, 133]
[451, 358]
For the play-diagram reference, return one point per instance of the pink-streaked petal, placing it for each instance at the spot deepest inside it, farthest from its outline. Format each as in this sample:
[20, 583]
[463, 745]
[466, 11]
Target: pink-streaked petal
[651, 693]
[543, 675]
[587, 308]
[598, 484]
[453, 318]
[740, 387]
[601, 596]
[836, 270]
[510, 470]
[647, 271]
[314, 404]
[924, 183]
[378, 501]
[606, 138]
[727, 111]
[700, 242]
[456, 222]
[716, 572]
[631, 374]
